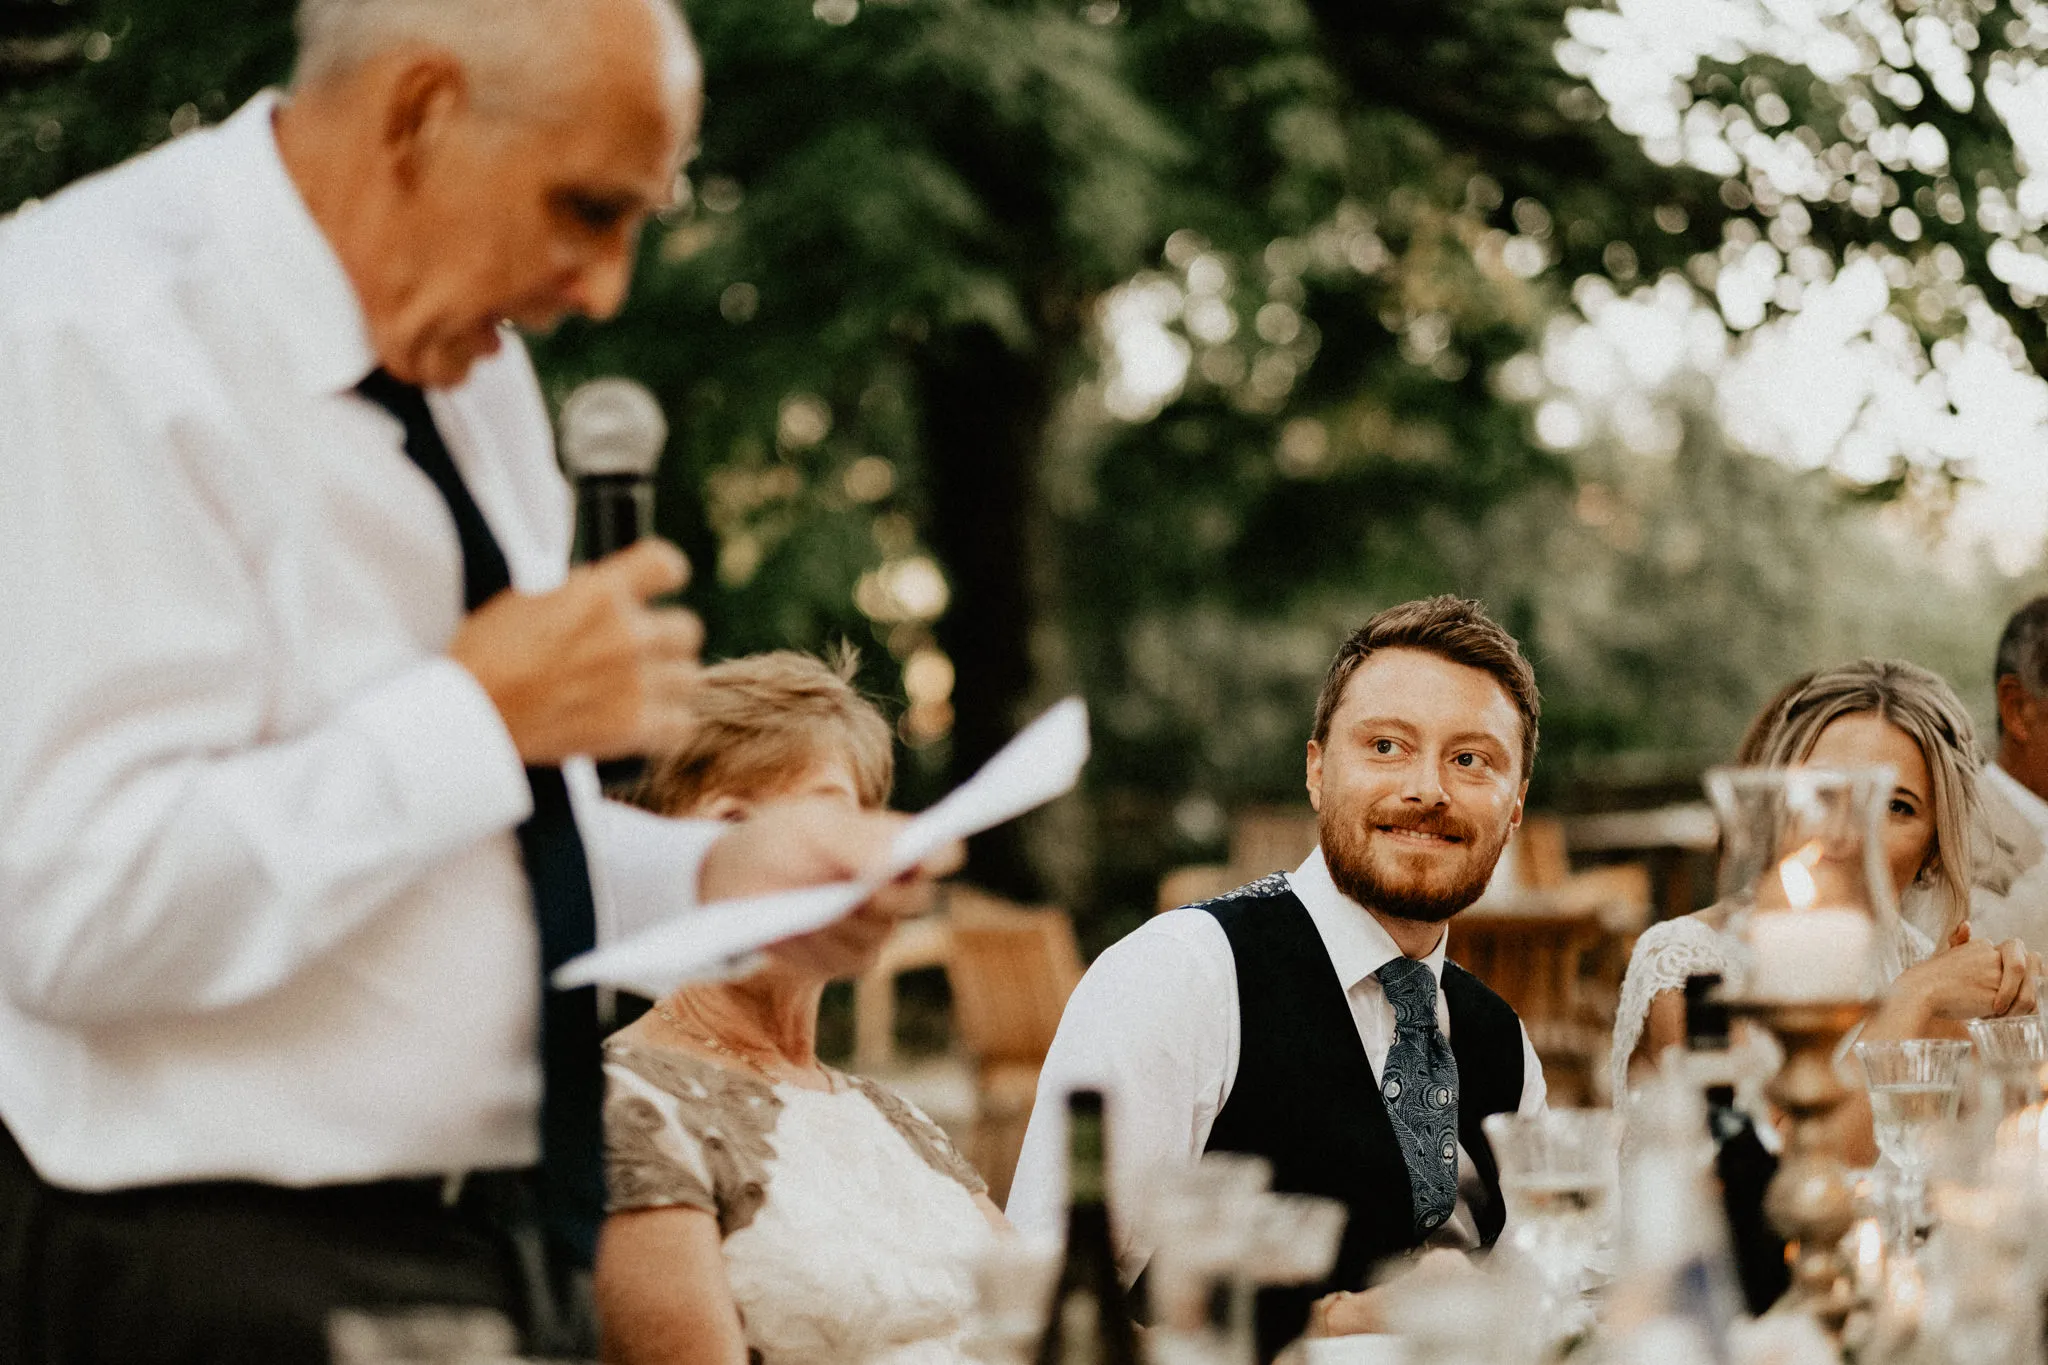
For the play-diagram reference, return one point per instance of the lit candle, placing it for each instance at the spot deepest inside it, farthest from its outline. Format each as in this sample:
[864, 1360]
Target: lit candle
[1808, 955]
[1805, 952]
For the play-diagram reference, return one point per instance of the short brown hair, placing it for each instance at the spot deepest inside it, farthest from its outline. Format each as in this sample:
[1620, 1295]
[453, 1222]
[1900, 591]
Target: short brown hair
[765, 720]
[1453, 628]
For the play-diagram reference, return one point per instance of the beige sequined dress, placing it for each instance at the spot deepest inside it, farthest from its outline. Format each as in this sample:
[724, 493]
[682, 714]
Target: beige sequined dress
[849, 1221]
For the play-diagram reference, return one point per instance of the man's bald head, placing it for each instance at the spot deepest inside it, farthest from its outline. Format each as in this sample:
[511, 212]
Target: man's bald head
[519, 53]
[482, 162]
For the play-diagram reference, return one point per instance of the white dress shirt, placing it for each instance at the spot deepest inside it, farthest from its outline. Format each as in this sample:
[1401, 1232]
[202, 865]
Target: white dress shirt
[1154, 1023]
[2022, 912]
[262, 912]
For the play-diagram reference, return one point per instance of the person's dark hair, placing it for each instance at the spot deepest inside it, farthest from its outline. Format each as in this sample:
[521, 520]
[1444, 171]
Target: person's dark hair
[1453, 628]
[2023, 650]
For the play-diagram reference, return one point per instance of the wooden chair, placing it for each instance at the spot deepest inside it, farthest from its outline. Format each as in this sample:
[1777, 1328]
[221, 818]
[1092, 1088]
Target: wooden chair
[1271, 838]
[1533, 960]
[1012, 969]
[920, 943]
[1197, 882]
[1263, 839]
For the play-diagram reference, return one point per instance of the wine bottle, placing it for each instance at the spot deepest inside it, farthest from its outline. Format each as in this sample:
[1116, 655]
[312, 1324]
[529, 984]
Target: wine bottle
[1089, 1319]
[1744, 1165]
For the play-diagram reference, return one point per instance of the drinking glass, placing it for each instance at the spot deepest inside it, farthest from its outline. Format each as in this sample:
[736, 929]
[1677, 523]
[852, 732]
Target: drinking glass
[1293, 1238]
[2011, 1053]
[1204, 1220]
[2016, 1043]
[1558, 1172]
[1915, 1085]
[428, 1335]
[1013, 1279]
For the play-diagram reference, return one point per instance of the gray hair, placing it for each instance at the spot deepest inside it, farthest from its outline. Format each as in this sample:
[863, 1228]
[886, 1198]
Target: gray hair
[507, 46]
[2023, 648]
[1929, 712]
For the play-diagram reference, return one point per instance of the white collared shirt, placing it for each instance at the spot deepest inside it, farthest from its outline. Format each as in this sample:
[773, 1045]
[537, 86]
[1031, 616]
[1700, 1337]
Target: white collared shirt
[1154, 1023]
[2022, 912]
[262, 913]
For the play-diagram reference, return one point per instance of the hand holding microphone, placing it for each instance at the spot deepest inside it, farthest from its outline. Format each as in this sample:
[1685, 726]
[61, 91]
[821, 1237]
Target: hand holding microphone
[593, 668]
[590, 668]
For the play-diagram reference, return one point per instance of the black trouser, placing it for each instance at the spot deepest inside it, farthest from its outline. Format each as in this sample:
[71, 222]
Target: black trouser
[239, 1273]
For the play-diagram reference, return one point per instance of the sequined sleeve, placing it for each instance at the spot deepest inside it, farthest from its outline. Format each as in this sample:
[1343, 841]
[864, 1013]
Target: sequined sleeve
[925, 1137]
[684, 1133]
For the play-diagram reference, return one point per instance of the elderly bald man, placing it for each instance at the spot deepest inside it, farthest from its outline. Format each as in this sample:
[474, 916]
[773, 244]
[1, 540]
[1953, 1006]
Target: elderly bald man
[296, 796]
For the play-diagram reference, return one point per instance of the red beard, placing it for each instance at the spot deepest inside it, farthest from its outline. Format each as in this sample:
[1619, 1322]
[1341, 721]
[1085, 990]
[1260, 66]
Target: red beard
[1430, 895]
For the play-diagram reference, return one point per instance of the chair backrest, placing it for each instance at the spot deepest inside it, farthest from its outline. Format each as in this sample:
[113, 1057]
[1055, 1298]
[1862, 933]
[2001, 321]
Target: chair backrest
[1012, 969]
[1271, 838]
[1540, 853]
[1198, 882]
[1530, 960]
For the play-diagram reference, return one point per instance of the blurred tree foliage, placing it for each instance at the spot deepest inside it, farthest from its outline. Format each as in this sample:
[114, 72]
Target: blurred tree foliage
[1143, 349]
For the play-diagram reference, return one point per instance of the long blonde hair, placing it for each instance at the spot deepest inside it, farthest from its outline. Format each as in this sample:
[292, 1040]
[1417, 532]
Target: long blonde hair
[1929, 712]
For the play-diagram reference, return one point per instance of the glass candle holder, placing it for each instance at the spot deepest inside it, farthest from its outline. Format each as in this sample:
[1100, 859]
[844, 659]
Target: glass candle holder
[1806, 898]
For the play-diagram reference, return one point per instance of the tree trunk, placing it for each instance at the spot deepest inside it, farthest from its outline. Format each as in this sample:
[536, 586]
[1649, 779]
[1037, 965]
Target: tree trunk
[985, 412]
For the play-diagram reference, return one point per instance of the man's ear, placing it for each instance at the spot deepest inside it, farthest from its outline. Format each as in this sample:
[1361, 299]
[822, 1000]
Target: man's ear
[2013, 717]
[1315, 777]
[1521, 798]
[420, 107]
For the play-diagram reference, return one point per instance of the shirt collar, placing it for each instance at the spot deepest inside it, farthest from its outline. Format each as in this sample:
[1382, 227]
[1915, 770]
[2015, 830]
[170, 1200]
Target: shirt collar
[2029, 806]
[1358, 944]
[295, 279]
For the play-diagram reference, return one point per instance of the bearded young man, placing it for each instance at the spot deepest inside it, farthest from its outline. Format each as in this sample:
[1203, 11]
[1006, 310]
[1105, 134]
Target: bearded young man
[1310, 1017]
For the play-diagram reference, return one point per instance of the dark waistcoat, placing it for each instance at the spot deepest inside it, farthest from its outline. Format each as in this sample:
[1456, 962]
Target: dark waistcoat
[1305, 1097]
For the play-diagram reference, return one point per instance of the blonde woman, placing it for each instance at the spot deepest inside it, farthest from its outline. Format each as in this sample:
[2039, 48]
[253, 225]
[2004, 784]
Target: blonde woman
[1871, 712]
[764, 1206]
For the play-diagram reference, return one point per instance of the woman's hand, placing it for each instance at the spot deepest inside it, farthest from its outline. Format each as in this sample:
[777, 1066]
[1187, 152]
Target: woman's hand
[1971, 979]
[1353, 1314]
[1346, 1314]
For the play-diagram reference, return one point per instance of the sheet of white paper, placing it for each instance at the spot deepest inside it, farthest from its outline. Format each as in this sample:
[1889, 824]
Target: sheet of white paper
[655, 961]
[1044, 761]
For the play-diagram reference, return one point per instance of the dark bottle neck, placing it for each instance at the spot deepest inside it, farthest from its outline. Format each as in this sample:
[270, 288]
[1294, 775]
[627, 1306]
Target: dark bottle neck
[1087, 1176]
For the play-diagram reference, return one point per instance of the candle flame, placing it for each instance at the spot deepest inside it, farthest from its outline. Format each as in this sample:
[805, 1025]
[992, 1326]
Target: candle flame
[1796, 875]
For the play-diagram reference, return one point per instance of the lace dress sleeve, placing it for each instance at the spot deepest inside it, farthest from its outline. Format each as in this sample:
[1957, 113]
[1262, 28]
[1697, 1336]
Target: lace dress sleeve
[1664, 957]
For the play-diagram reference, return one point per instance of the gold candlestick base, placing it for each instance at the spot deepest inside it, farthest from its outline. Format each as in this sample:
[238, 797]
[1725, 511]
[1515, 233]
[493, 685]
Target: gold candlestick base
[1810, 1201]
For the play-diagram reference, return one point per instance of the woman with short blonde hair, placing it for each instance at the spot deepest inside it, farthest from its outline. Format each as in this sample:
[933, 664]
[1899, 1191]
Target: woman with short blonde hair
[765, 1206]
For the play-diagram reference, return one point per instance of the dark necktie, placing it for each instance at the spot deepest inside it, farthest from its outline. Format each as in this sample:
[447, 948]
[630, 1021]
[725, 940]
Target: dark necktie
[1420, 1085]
[571, 1140]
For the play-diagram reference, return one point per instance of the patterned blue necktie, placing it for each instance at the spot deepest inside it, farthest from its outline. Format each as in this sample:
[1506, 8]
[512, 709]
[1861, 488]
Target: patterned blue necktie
[1420, 1086]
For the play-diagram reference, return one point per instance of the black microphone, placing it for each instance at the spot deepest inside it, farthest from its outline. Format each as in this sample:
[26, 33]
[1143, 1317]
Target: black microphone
[613, 432]
[612, 435]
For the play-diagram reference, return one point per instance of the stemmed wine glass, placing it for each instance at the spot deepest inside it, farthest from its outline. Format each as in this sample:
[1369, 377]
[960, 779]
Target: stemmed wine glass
[1915, 1085]
[2011, 1052]
[1558, 1172]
